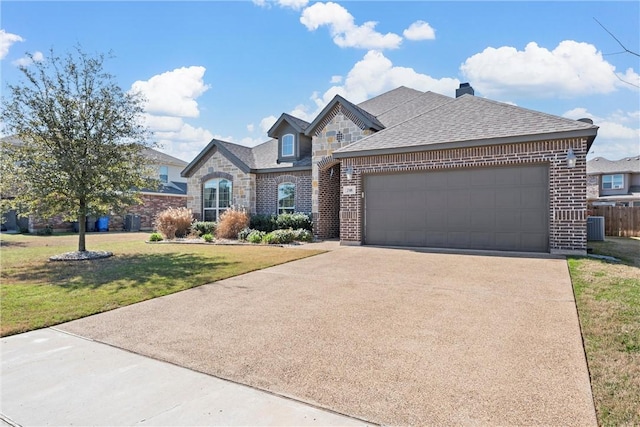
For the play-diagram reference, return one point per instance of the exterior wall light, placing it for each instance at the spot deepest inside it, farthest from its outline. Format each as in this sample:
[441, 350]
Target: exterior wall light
[571, 159]
[349, 172]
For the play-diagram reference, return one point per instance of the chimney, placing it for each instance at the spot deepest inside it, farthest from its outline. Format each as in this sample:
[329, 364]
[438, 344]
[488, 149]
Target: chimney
[464, 88]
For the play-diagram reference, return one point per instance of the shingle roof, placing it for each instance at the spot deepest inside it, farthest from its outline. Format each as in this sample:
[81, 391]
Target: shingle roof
[467, 120]
[160, 157]
[384, 102]
[298, 124]
[412, 107]
[265, 157]
[600, 165]
[367, 119]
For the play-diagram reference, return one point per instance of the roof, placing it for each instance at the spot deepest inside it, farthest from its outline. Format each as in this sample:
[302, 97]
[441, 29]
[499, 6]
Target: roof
[259, 159]
[468, 121]
[170, 188]
[600, 165]
[162, 158]
[412, 107]
[368, 120]
[384, 102]
[298, 124]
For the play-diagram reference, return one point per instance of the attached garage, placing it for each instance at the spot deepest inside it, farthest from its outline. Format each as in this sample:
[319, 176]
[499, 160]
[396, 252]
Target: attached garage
[491, 208]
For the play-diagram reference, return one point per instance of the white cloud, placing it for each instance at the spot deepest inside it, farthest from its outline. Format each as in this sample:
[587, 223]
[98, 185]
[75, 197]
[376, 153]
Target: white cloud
[25, 61]
[6, 40]
[250, 127]
[336, 79]
[343, 29]
[618, 136]
[293, 4]
[420, 30]
[375, 74]
[267, 122]
[261, 3]
[571, 69]
[173, 93]
[184, 142]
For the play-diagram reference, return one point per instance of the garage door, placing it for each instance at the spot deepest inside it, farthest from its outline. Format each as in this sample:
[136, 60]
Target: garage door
[503, 208]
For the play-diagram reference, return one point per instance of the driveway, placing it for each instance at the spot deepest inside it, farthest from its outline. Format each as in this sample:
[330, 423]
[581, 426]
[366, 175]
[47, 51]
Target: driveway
[390, 336]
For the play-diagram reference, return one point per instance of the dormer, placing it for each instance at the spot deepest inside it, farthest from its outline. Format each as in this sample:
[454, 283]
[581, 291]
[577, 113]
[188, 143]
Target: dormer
[293, 144]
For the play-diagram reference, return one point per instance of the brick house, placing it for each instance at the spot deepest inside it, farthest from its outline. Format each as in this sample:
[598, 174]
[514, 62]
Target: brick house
[411, 168]
[171, 193]
[613, 182]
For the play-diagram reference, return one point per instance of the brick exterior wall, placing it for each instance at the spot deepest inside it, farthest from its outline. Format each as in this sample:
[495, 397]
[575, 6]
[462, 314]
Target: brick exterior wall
[267, 191]
[567, 187]
[151, 205]
[324, 143]
[327, 224]
[215, 166]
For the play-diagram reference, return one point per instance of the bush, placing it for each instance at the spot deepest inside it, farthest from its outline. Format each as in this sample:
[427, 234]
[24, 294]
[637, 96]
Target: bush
[294, 221]
[279, 237]
[302, 235]
[266, 223]
[242, 235]
[231, 222]
[204, 227]
[208, 237]
[173, 222]
[256, 236]
[155, 237]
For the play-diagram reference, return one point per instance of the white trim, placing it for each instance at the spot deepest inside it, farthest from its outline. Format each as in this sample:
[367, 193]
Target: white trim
[293, 146]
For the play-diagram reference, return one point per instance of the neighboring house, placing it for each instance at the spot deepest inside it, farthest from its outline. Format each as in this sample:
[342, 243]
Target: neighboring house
[172, 193]
[613, 183]
[411, 168]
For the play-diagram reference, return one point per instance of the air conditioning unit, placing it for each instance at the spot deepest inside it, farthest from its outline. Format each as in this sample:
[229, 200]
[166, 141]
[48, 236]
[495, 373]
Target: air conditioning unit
[595, 228]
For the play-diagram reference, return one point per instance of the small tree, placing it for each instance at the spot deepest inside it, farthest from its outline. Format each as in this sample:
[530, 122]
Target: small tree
[80, 140]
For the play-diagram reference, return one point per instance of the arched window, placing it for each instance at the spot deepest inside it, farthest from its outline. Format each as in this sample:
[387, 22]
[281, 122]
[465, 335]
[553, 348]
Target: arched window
[216, 198]
[286, 198]
[288, 146]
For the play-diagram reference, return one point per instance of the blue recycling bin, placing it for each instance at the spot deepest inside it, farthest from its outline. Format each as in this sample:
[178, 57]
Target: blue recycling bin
[103, 223]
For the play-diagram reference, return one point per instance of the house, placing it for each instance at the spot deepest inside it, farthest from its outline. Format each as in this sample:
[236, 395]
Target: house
[613, 183]
[412, 168]
[172, 192]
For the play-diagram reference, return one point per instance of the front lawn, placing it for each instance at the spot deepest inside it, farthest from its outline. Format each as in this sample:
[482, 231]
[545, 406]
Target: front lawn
[608, 300]
[36, 293]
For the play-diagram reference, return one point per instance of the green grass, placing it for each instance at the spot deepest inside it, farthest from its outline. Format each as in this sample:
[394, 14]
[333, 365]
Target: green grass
[36, 293]
[608, 301]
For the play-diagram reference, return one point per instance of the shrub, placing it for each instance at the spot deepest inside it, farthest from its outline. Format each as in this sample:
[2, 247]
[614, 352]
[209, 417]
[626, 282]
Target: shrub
[231, 222]
[266, 223]
[279, 237]
[302, 235]
[208, 237]
[173, 222]
[256, 236]
[242, 235]
[294, 221]
[204, 227]
[155, 237]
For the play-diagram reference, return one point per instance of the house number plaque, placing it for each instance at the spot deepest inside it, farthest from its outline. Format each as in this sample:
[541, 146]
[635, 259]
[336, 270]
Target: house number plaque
[349, 189]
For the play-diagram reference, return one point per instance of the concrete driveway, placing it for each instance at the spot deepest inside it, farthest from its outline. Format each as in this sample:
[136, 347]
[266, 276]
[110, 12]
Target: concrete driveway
[390, 336]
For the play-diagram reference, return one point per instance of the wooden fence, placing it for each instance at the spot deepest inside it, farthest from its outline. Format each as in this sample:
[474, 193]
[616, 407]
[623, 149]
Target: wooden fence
[620, 221]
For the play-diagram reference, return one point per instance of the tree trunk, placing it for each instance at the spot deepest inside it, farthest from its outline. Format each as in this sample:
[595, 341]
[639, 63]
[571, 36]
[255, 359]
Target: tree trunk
[82, 227]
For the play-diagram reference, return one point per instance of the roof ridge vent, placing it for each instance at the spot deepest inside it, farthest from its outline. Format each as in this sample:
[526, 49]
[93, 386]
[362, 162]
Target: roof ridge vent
[586, 120]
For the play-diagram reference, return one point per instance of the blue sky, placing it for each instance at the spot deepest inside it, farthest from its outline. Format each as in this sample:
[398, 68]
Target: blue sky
[229, 69]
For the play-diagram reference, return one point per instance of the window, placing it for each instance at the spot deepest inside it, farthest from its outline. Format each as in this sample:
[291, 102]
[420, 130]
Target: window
[216, 198]
[612, 182]
[286, 198]
[164, 174]
[288, 146]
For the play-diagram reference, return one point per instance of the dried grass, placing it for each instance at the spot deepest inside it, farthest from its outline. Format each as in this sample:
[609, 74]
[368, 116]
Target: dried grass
[174, 222]
[232, 222]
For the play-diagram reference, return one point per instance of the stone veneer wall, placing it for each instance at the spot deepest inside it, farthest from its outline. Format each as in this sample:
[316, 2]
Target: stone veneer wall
[267, 191]
[567, 187]
[324, 143]
[593, 187]
[216, 165]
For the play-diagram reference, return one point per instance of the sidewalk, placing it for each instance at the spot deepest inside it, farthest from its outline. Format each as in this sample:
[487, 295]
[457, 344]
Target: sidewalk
[49, 377]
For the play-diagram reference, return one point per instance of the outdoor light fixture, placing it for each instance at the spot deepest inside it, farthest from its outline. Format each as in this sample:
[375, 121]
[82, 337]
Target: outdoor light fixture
[571, 159]
[349, 172]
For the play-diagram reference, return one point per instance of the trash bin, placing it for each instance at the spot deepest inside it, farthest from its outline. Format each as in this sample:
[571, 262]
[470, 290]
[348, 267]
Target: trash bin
[103, 223]
[90, 224]
[132, 222]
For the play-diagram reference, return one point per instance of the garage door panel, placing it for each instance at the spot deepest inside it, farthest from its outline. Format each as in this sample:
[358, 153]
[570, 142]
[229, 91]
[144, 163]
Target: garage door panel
[503, 208]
